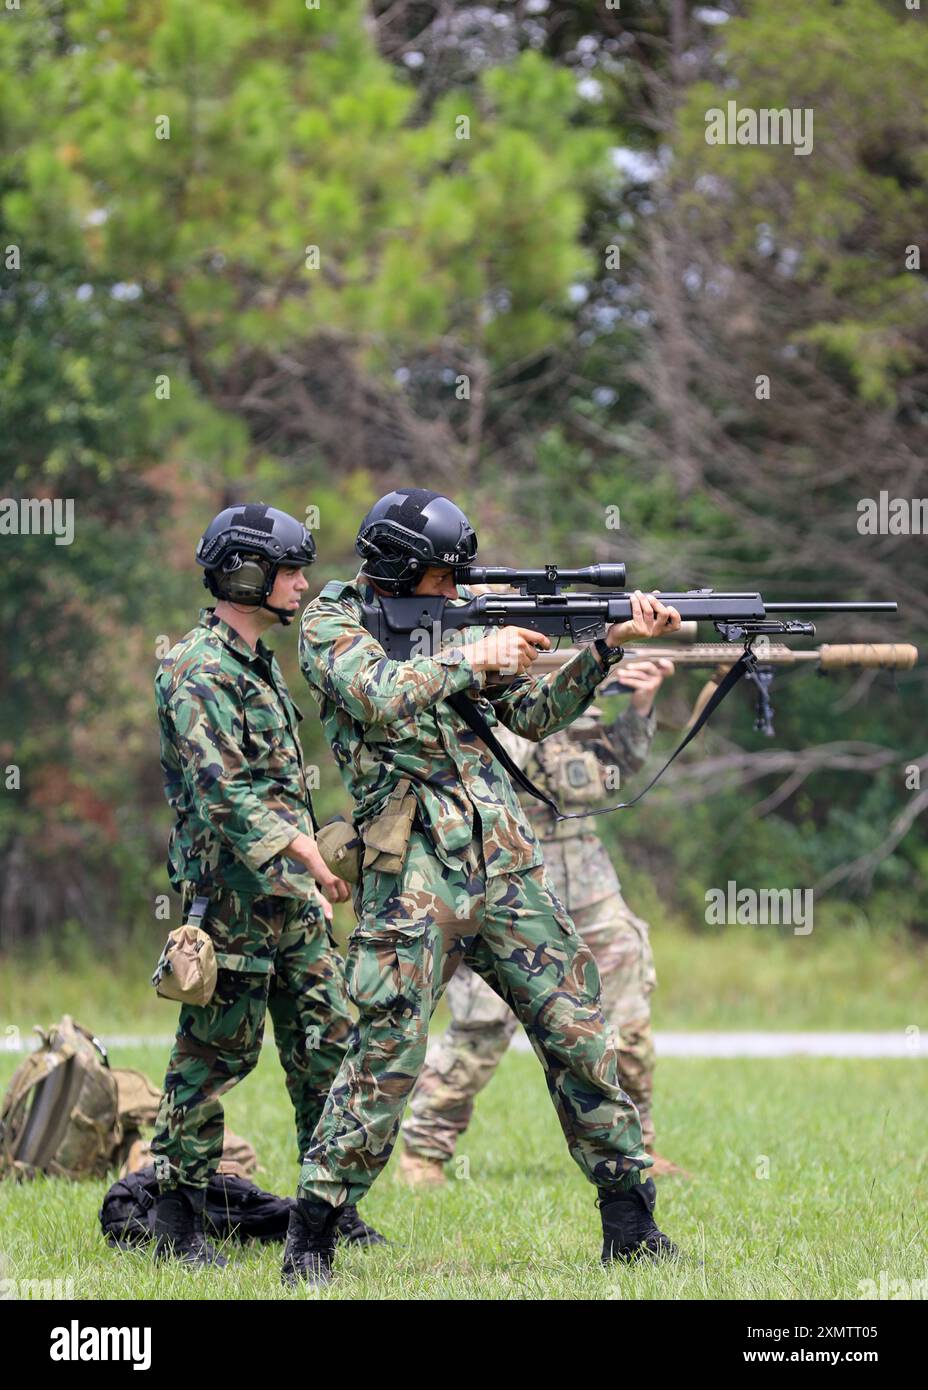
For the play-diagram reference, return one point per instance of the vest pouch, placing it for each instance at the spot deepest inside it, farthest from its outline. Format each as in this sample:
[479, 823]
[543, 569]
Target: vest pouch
[386, 835]
[579, 778]
[340, 846]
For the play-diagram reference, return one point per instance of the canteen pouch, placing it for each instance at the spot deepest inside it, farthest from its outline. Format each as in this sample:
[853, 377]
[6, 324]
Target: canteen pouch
[386, 835]
[340, 846]
[186, 970]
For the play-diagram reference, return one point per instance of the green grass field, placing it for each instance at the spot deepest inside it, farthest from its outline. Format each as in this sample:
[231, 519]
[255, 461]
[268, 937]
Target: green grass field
[843, 1142]
[848, 974]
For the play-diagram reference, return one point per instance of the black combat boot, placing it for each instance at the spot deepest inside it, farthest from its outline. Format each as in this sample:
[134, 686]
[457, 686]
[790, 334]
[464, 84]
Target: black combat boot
[178, 1229]
[351, 1230]
[310, 1248]
[629, 1232]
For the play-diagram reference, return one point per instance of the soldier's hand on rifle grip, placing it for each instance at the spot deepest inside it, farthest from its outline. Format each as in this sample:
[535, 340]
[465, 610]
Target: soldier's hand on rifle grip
[650, 618]
[510, 651]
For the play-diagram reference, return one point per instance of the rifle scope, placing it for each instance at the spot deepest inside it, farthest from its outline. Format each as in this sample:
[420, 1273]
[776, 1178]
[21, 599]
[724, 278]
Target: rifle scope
[601, 576]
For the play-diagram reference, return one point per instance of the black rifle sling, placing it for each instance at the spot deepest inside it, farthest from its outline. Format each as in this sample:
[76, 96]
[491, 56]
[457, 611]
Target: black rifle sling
[468, 711]
[745, 663]
[472, 716]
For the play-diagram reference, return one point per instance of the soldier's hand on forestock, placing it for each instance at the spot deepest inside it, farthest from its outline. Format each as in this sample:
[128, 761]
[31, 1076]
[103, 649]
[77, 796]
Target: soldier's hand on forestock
[650, 618]
[510, 651]
[645, 679]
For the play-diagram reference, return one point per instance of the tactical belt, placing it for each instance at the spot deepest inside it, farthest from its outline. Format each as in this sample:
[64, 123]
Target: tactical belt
[227, 960]
[471, 715]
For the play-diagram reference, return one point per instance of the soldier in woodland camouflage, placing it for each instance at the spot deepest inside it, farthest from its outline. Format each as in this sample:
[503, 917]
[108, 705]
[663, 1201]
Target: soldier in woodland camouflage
[243, 837]
[579, 768]
[471, 885]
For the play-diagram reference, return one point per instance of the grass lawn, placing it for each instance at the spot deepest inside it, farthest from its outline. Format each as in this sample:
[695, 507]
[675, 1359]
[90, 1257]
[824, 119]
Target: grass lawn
[846, 975]
[844, 1144]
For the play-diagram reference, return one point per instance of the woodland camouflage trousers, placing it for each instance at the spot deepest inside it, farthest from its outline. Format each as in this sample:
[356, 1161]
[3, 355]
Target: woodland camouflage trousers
[414, 929]
[219, 1043]
[461, 1061]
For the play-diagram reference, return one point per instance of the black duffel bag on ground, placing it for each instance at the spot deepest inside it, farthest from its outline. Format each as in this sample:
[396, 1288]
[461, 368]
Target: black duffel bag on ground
[235, 1209]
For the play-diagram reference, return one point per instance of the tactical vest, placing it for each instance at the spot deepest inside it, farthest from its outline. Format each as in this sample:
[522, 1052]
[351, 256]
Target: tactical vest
[565, 766]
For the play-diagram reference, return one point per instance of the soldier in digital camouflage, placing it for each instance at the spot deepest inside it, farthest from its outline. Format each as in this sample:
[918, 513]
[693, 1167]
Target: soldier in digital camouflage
[243, 837]
[454, 874]
[580, 768]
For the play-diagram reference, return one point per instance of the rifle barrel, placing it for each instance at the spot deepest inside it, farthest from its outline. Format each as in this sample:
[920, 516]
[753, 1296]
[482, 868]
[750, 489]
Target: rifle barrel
[831, 607]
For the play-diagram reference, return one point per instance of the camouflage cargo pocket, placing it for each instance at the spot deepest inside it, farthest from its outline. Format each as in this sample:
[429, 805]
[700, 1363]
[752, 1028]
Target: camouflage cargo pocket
[581, 973]
[389, 971]
[648, 973]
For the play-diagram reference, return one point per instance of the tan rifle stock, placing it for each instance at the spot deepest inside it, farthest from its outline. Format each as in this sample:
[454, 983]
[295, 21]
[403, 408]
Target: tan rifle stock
[721, 656]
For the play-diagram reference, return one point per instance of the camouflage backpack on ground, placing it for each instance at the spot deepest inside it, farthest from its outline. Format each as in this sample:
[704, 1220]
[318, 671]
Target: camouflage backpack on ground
[137, 1102]
[60, 1114]
[68, 1113]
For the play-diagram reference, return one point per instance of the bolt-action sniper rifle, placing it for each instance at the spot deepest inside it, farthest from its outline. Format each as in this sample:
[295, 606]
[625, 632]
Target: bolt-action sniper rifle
[424, 622]
[720, 657]
[421, 624]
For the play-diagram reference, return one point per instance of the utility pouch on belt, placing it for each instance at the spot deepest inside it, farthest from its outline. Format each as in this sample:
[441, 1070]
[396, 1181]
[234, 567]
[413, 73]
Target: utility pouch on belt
[579, 778]
[340, 845]
[386, 836]
[187, 968]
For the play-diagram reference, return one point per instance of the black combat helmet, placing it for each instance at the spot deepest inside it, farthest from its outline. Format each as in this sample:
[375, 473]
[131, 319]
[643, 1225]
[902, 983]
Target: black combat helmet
[242, 549]
[410, 529]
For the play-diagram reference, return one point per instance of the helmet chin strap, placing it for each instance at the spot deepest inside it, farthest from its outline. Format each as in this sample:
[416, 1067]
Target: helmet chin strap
[283, 615]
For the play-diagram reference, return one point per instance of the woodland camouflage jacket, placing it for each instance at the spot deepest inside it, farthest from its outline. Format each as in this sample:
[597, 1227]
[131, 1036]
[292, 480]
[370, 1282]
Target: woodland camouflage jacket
[232, 764]
[387, 719]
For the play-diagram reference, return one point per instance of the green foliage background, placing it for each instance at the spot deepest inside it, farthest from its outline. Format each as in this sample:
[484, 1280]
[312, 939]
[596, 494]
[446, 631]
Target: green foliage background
[133, 264]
